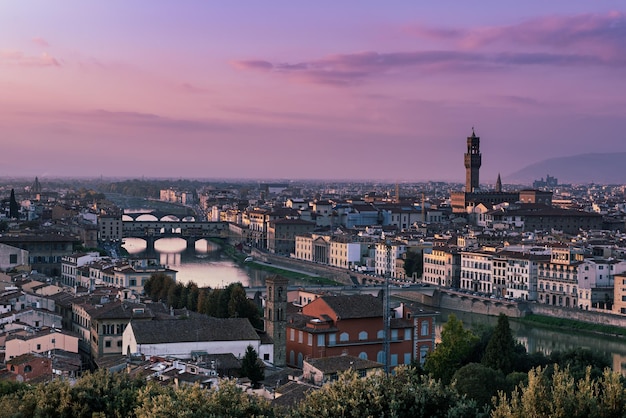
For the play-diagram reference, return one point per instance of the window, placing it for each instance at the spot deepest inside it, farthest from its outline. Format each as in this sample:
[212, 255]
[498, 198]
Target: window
[38, 347]
[394, 359]
[407, 358]
[394, 335]
[332, 339]
[344, 337]
[292, 334]
[380, 334]
[380, 357]
[107, 344]
[321, 340]
[363, 355]
[28, 368]
[362, 335]
[13, 259]
[423, 353]
[309, 339]
[408, 334]
[266, 357]
[300, 337]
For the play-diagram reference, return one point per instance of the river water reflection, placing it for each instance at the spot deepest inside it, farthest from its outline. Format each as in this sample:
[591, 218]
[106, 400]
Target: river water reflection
[546, 341]
[205, 265]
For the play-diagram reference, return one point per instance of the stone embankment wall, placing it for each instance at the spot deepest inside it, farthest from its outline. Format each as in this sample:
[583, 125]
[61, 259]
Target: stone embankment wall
[467, 303]
[603, 318]
[479, 305]
[328, 272]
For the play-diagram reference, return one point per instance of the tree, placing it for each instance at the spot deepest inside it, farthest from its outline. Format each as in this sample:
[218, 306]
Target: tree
[479, 382]
[14, 208]
[404, 394]
[500, 351]
[413, 263]
[564, 396]
[251, 368]
[239, 306]
[95, 394]
[452, 352]
[226, 400]
[578, 360]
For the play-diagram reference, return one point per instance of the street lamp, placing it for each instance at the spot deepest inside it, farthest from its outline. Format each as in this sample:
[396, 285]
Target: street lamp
[386, 308]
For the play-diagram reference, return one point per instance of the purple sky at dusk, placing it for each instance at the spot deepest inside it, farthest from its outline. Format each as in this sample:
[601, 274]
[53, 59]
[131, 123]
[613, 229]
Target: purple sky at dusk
[322, 90]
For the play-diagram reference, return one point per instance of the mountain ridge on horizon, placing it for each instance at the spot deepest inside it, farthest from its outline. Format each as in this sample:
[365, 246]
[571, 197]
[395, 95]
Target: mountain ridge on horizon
[602, 168]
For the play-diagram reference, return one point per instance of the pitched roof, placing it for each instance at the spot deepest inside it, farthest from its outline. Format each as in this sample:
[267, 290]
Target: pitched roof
[193, 329]
[354, 306]
[341, 363]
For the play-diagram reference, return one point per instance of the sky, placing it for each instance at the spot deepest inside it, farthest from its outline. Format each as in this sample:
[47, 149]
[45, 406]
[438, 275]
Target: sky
[306, 90]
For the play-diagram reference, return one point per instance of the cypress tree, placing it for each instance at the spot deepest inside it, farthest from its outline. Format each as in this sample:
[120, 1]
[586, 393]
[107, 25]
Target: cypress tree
[250, 366]
[500, 351]
[14, 208]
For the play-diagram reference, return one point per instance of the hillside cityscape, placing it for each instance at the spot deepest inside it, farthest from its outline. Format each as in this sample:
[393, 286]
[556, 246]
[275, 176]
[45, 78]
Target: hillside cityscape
[374, 264]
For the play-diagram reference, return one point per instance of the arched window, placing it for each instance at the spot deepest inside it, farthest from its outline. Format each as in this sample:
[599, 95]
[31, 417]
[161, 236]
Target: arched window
[362, 335]
[269, 294]
[380, 357]
[300, 360]
[344, 336]
[363, 355]
[28, 368]
[380, 334]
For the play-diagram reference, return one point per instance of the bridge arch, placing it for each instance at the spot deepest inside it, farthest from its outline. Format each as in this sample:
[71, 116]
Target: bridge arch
[146, 217]
[170, 218]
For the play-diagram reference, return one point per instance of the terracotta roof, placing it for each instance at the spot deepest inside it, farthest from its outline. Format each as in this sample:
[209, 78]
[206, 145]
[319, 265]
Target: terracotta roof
[354, 306]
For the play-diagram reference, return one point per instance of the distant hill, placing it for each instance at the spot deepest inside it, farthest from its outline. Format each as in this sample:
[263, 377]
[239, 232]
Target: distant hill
[577, 169]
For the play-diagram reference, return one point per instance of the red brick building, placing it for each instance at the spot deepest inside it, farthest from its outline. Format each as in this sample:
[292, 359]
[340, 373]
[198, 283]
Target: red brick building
[30, 367]
[353, 325]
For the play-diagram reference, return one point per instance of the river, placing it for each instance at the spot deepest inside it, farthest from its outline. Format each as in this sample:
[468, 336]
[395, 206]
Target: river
[206, 265]
[545, 340]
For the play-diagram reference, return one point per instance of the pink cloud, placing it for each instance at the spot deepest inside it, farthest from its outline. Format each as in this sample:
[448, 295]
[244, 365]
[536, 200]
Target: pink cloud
[349, 69]
[17, 58]
[570, 41]
[253, 65]
[40, 41]
[145, 121]
[593, 34]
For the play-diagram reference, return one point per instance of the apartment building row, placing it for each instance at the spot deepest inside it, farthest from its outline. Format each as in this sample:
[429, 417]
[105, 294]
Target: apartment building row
[88, 270]
[363, 253]
[557, 275]
[184, 197]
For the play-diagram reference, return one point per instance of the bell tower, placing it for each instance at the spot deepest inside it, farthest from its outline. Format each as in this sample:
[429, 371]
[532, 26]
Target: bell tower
[473, 160]
[276, 316]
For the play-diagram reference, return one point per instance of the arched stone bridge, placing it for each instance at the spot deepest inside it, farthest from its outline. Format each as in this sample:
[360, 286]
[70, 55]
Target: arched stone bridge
[157, 216]
[151, 231]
